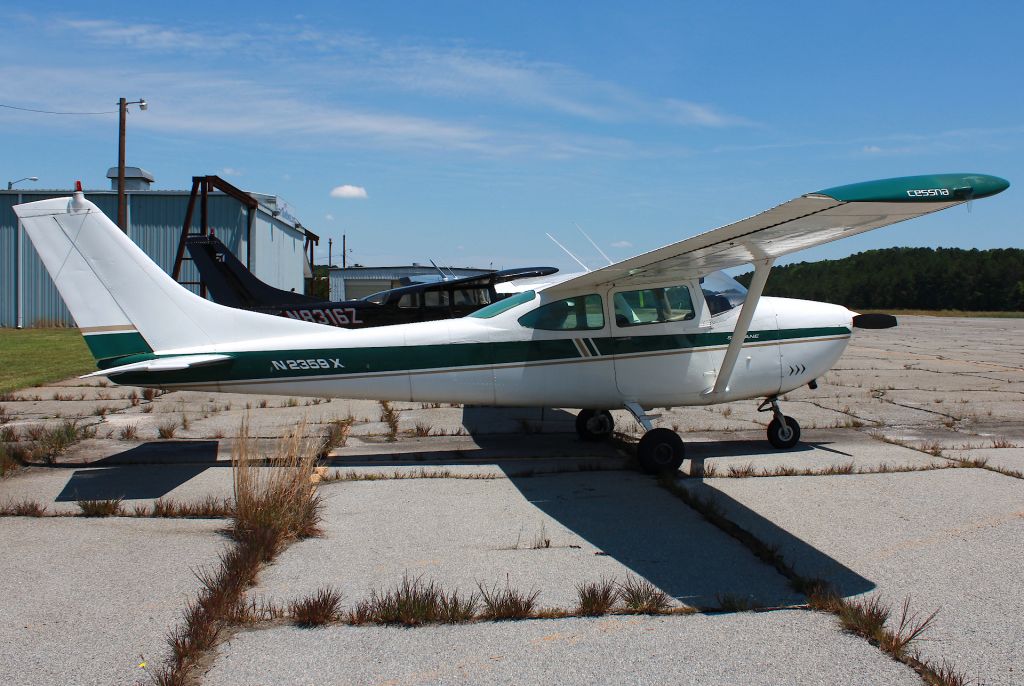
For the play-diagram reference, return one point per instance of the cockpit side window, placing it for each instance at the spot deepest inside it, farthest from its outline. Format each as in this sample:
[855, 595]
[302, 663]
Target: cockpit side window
[583, 313]
[722, 292]
[653, 306]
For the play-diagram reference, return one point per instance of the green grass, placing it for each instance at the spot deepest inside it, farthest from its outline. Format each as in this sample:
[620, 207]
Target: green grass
[37, 356]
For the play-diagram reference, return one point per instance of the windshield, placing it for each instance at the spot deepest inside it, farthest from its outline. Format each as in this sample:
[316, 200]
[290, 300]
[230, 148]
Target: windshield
[722, 292]
[508, 303]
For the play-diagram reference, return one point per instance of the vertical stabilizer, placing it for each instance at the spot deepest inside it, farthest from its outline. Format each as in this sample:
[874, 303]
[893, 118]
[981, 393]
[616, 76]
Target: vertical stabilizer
[123, 302]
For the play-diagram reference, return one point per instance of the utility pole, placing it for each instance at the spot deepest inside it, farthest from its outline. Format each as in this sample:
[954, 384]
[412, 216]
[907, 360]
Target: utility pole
[330, 252]
[344, 251]
[122, 206]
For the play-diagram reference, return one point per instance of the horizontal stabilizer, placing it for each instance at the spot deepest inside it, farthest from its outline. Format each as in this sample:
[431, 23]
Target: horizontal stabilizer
[164, 364]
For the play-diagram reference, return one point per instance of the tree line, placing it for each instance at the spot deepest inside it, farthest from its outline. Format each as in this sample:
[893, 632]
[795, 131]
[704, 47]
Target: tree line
[908, 278]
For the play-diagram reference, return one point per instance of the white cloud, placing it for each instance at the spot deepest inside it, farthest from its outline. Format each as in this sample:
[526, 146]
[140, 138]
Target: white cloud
[622, 244]
[349, 192]
[329, 217]
[871, 149]
[230, 171]
[697, 114]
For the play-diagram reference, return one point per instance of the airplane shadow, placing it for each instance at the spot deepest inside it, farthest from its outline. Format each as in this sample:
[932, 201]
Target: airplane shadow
[168, 465]
[623, 514]
[657, 536]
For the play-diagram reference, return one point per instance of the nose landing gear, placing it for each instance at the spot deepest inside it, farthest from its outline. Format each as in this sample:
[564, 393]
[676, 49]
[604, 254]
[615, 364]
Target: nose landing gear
[783, 431]
[594, 425]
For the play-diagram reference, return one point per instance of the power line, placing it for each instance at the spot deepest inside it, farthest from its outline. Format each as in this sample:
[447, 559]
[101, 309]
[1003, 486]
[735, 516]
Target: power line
[27, 109]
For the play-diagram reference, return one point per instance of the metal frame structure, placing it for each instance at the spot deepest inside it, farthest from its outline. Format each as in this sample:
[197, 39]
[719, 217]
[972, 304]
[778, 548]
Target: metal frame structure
[201, 186]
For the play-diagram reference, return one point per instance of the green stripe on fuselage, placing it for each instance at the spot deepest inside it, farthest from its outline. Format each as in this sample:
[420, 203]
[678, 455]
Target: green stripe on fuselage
[290, 364]
[110, 345]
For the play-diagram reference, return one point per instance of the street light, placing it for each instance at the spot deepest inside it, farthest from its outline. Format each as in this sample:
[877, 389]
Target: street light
[122, 209]
[10, 184]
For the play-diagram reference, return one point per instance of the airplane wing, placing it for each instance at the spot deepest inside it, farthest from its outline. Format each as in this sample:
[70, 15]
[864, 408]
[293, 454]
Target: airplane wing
[807, 221]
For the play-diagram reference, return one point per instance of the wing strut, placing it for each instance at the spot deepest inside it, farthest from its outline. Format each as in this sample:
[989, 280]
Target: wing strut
[739, 334]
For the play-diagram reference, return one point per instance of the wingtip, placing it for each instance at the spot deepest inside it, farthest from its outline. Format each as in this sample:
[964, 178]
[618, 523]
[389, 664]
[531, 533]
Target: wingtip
[923, 188]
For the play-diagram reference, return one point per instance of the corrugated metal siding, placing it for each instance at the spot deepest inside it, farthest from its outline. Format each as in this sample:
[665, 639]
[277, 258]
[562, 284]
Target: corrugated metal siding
[277, 253]
[155, 220]
[155, 226]
[8, 261]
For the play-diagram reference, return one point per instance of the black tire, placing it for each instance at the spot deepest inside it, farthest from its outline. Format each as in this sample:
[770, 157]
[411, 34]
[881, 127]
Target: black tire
[660, 451]
[781, 438]
[594, 425]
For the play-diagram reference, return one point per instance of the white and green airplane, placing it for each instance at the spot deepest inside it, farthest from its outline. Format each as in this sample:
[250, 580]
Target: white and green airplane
[662, 329]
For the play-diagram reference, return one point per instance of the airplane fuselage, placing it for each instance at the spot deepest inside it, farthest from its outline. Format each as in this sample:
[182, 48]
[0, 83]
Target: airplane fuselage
[490, 362]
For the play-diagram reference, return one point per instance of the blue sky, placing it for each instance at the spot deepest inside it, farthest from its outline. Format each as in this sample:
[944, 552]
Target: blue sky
[474, 128]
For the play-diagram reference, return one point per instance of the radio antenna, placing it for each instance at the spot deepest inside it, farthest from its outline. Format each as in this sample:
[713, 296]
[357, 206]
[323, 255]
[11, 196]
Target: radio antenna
[594, 244]
[585, 267]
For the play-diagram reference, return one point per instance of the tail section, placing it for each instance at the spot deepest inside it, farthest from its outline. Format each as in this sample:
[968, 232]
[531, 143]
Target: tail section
[123, 302]
[230, 283]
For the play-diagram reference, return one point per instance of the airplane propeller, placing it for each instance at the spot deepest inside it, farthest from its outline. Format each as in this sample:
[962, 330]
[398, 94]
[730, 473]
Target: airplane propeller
[875, 320]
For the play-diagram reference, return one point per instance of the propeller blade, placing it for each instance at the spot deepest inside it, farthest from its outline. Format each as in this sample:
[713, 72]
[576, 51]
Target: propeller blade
[874, 321]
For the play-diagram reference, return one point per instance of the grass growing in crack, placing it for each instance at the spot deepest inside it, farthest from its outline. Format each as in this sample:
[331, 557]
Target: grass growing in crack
[398, 475]
[730, 602]
[22, 508]
[541, 540]
[8, 462]
[390, 416]
[281, 496]
[101, 508]
[642, 597]
[421, 430]
[322, 607]
[596, 598]
[129, 432]
[51, 443]
[167, 429]
[507, 603]
[337, 434]
[210, 507]
[413, 602]
[274, 505]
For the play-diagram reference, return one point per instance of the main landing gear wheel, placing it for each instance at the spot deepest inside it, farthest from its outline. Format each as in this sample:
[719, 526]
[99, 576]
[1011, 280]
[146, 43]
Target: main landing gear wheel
[594, 425]
[660, 451]
[783, 436]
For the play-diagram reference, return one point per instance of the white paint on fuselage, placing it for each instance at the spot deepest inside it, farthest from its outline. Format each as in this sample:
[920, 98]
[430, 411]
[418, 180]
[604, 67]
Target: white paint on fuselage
[663, 378]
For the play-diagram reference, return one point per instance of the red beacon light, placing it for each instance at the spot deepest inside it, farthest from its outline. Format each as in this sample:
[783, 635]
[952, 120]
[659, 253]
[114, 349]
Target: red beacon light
[78, 186]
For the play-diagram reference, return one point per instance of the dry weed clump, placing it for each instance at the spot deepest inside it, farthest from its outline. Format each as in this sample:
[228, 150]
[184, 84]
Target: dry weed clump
[22, 508]
[8, 462]
[642, 597]
[337, 434]
[209, 507]
[275, 502]
[323, 607]
[101, 508]
[596, 598]
[279, 495]
[167, 429]
[390, 416]
[507, 603]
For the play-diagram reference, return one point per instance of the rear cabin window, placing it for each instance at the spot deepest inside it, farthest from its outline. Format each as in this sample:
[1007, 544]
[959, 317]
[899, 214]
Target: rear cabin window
[409, 300]
[435, 298]
[653, 306]
[584, 313]
[473, 297]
